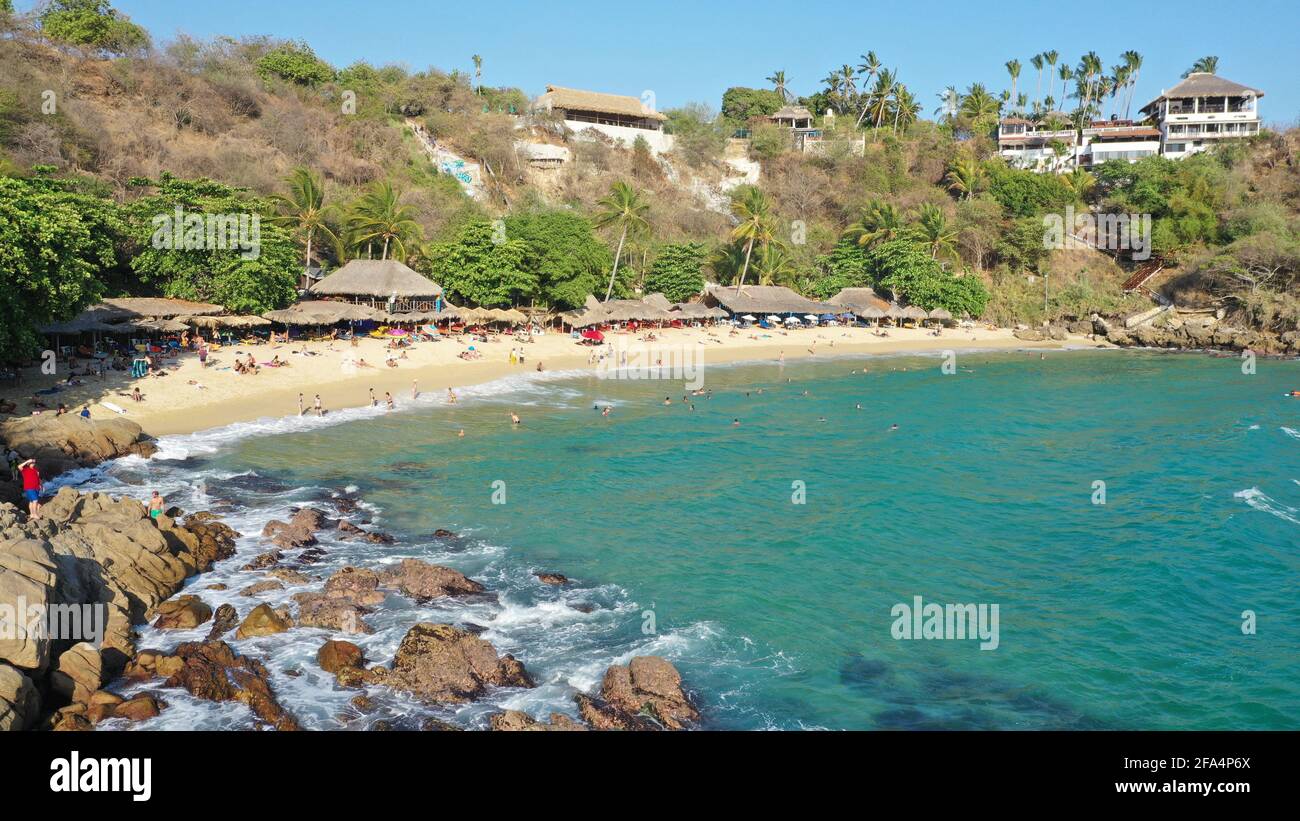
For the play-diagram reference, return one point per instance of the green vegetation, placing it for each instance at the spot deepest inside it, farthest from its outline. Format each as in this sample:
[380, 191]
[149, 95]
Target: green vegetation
[295, 62]
[677, 272]
[94, 24]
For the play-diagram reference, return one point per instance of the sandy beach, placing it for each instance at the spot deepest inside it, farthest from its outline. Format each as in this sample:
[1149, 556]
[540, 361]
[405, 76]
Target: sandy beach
[191, 397]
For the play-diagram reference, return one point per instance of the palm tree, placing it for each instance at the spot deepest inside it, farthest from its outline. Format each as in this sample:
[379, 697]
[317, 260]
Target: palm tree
[1133, 61]
[1013, 68]
[754, 213]
[774, 266]
[936, 231]
[1206, 65]
[1079, 181]
[478, 71]
[304, 211]
[1066, 73]
[833, 82]
[880, 222]
[906, 108]
[1037, 62]
[885, 82]
[1050, 57]
[379, 215]
[624, 208]
[868, 68]
[778, 80]
[977, 102]
[948, 103]
[965, 175]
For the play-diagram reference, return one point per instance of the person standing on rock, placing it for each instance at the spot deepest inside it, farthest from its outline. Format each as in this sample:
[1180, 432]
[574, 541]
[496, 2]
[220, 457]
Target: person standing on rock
[155, 505]
[31, 487]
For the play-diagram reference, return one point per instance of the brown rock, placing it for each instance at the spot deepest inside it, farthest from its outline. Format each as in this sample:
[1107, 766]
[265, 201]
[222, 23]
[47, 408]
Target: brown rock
[182, 613]
[263, 621]
[516, 721]
[355, 585]
[645, 695]
[288, 575]
[319, 610]
[215, 672]
[264, 560]
[261, 587]
[139, 708]
[224, 621]
[422, 580]
[551, 578]
[20, 704]
[63, 443]
[78, 673]
[336, 655]
[439, 662]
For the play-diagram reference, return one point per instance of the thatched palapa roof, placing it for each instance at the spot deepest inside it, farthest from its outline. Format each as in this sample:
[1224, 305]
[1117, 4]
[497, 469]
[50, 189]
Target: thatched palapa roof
[763, 299]
[322, 312]
[1201, 84]
[858, 300]
[572, 99]
[380, 278]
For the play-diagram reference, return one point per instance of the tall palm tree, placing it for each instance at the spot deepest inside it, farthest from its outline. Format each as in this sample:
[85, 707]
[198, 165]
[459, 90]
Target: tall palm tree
[1205, 65]
[778, 81]
[948, 100]
[624, 208]
[868, 68]
[906, 108]
[938, 234]
[1013, 69]
[880, 222]
[1050, 57]
[478, 70]
[1134, 62]
[1066, 73]
[885, 82]
[1080, 181]
[774, 266]
[303, 211]
[977, 102]
[833, 83]
[754, 213]
[1037, 62]
[378, 215]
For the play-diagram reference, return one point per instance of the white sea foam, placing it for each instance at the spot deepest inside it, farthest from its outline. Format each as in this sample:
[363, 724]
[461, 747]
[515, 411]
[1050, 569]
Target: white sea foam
[1259, 500]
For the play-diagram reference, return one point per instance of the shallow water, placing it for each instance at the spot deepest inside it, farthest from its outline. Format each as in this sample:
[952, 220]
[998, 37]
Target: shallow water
[682, 535]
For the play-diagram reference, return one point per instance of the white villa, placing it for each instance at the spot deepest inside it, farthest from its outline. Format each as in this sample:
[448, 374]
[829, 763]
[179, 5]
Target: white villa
[1187, 118]
[1202, 110]
[621, 118]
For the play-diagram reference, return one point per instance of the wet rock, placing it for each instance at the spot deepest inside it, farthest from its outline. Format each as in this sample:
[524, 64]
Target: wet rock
[63, 443]
[181, 613]
[288, 575]
[336, 655]
[223, 622]
[217, 586]
[434, 725]
[139, 708]
[381, 726]
[261, 587]
[363, 704]
[356, 585]
[71, 719]
[215, 539]
[438, 662]
[422, 580]
[310, 556]
[80, 672]
[551, 578]
[444, 534]
[152, 663]
[645, 695]
[214, 672]
[263, 621]
[319, 610]
[20, 704]
[516, 721]
[265, 560]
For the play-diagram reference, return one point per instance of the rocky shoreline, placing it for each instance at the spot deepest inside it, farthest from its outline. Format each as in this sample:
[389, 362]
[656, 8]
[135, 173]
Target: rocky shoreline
[90, 549]
[1189, 332]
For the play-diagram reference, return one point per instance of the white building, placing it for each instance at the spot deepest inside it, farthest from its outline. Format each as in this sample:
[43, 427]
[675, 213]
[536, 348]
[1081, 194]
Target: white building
[1105, 140]
[1042, 146]
[618, 117]
[1202, 110]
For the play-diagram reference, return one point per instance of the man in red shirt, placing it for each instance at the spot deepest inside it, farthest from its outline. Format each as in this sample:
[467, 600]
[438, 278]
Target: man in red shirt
[31, 487]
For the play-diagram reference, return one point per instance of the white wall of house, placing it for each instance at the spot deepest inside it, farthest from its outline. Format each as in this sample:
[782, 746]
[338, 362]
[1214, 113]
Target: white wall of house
[660, 143]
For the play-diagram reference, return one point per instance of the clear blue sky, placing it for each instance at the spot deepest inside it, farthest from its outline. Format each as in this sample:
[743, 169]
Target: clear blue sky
[692, 51]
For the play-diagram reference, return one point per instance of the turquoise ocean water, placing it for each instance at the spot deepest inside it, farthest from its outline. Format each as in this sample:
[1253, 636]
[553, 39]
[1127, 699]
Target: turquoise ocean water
[683, 536]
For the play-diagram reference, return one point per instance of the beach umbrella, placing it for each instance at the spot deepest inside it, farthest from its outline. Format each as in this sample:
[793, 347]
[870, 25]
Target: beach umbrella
[791, 319]
[773, 318]
[165, 326]
[871, 312]
[812, 317]
[593, 334]
[749, 318]
[915, 312]
[941, 315]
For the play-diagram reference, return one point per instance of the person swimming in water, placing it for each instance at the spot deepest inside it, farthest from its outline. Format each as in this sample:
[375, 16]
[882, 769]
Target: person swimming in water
[514, 419]
[894, 426]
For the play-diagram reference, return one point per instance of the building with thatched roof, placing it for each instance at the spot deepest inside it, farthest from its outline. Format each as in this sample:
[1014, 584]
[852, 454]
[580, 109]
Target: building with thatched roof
[385, 282]
[155, 307]
[763, 299]
[858, 300]
[1202, 110]
[619, 117]
[696, 311]
[792, 116]
[323, 312]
